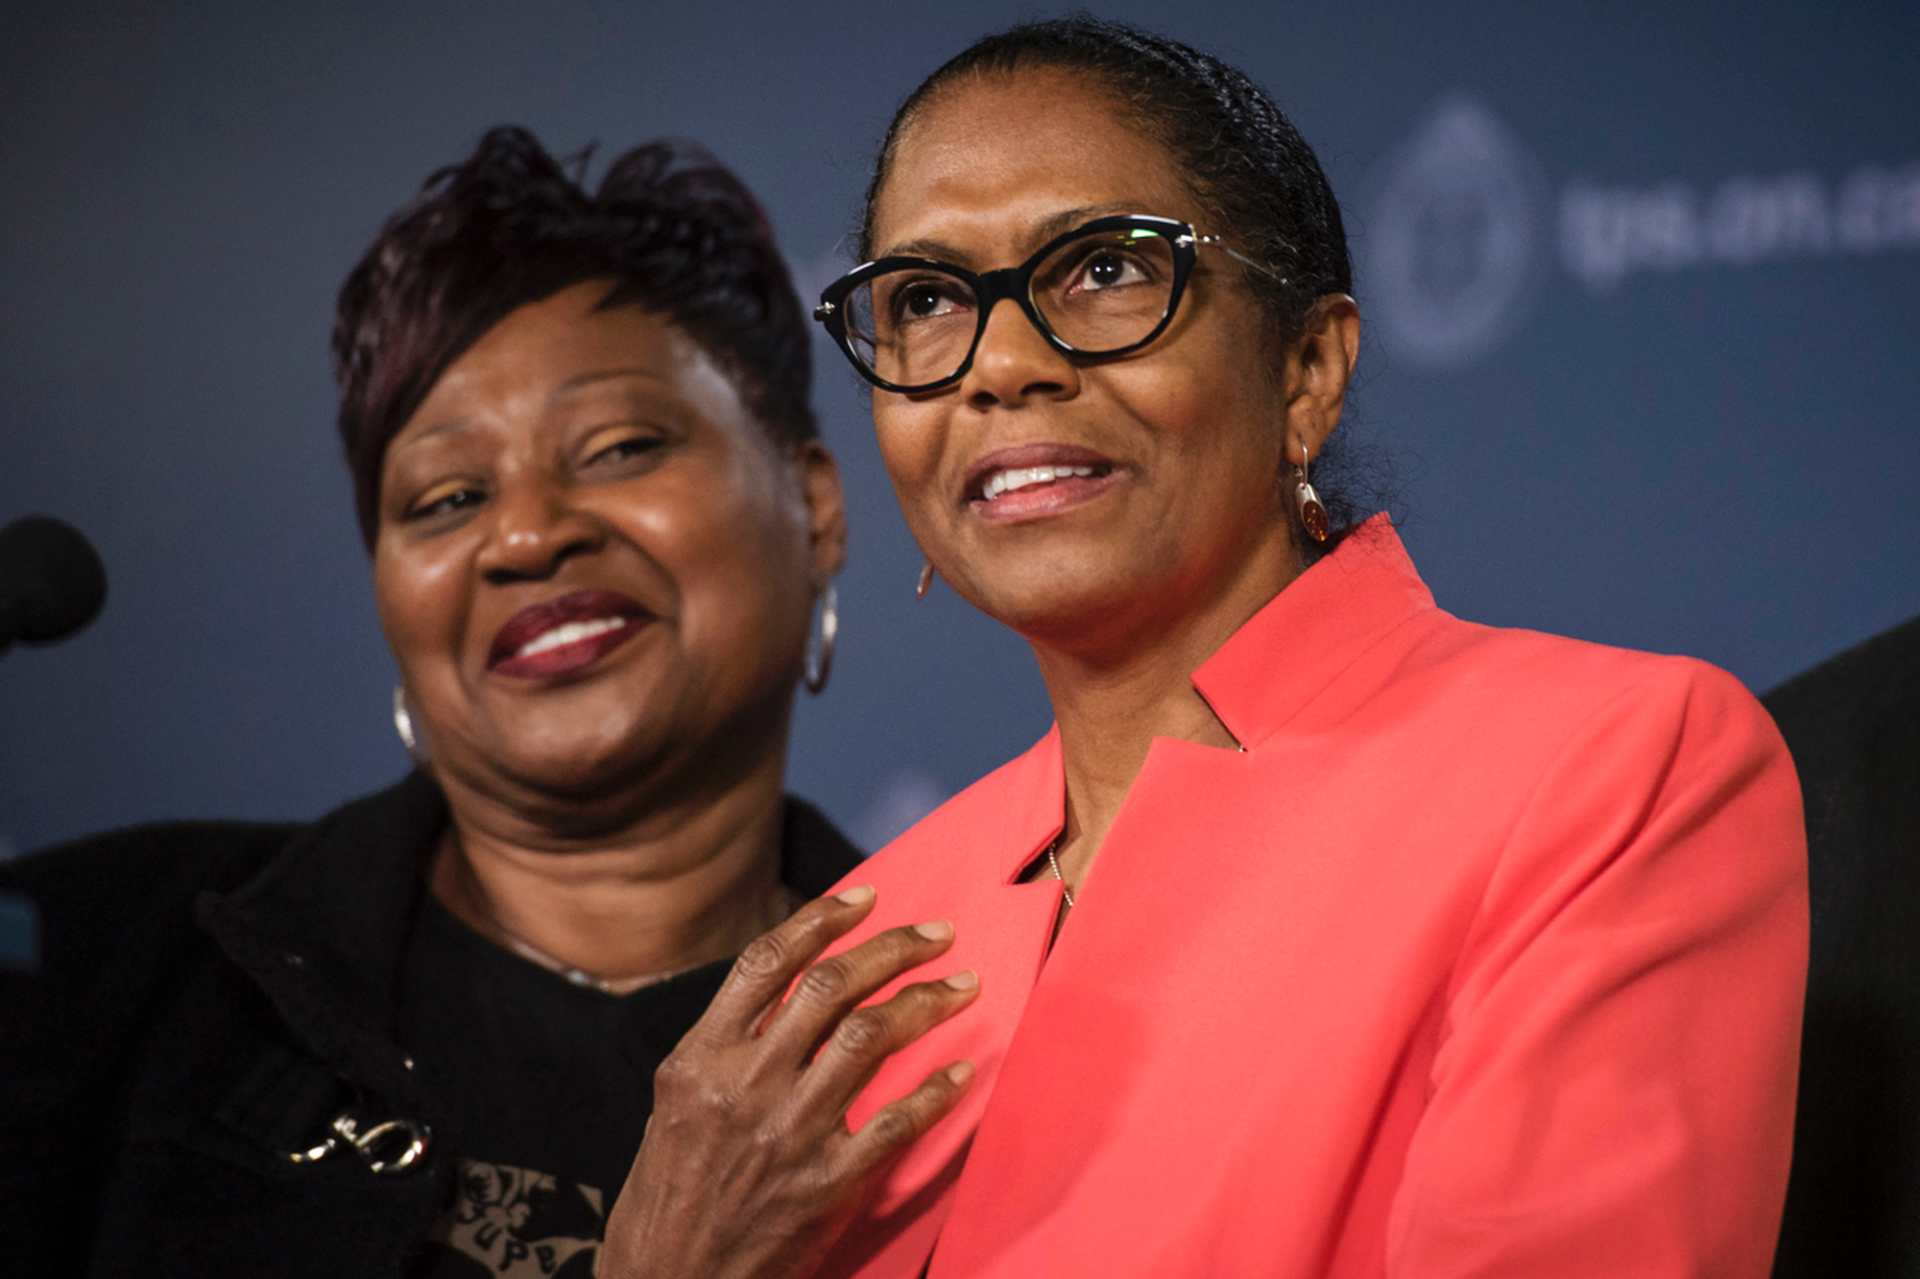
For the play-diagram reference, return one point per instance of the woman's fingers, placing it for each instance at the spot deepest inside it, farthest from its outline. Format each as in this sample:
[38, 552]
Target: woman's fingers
[866, 1037]
[829, 991]
[748, 1147]
[894, 1126]
[769, 964]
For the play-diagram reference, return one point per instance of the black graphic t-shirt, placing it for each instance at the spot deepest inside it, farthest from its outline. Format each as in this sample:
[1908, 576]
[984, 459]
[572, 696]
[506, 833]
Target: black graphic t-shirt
[545, 1088]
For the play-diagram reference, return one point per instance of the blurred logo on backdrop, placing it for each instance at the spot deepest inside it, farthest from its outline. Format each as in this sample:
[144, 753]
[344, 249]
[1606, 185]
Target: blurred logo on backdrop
[1452, 237]
[1610, 232]
[1459, 230]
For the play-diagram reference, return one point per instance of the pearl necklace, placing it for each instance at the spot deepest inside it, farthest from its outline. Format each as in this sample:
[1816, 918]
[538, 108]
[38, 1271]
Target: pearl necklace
[1055, 863]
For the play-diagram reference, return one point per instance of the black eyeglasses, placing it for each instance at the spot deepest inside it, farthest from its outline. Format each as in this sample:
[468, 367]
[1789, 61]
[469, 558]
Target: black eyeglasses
[1102, 289]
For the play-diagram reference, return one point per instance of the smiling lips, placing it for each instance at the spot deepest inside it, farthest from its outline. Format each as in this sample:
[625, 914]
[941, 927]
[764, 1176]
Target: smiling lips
[1034, 480]
[565, 634]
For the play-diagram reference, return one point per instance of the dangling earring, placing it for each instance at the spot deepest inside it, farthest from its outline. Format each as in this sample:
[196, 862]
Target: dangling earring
[403, 725]
[1313, 516]
[820, 655]
[926, 580]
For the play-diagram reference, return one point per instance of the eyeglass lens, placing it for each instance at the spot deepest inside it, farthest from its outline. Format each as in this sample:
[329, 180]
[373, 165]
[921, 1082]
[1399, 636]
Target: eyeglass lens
[1098, 293]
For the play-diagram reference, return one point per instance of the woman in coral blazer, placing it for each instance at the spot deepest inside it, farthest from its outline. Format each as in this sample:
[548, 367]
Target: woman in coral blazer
[1326, 934]
[1483, 958]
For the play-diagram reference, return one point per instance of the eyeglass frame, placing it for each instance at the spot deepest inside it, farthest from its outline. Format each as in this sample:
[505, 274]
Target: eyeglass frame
[1015, 283]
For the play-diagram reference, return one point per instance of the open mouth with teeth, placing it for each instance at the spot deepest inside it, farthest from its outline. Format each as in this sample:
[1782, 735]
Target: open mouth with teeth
[565, 635]
[1012, 481]
[1036, 480]
[569, 633]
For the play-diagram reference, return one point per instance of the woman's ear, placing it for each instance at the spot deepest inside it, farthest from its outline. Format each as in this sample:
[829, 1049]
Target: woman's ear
[1319, 367]
[819, 477]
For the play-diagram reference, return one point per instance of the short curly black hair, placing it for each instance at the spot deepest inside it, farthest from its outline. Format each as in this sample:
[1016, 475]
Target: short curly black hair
[1240, 156]
[671, 228]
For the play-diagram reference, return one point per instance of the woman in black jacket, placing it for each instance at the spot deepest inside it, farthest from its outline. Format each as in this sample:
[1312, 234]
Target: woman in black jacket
[419, 1034]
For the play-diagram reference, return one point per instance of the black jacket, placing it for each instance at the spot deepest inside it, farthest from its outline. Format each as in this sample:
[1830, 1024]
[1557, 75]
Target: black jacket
[1853, 1201]
[210, 997]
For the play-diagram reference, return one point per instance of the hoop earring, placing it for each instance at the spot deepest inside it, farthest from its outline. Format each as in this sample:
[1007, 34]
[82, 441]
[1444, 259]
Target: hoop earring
[403, 725]
[820, 655]
[926, 580]
[1313, 516]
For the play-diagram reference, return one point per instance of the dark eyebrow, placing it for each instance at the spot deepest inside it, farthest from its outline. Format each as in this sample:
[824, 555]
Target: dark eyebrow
[574, 383]
[1046, 229]
[461, 425]
[452, 426]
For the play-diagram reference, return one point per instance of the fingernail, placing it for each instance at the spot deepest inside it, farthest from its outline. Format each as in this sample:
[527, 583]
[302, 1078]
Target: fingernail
[936, 930]
[856, 896]
[964, 981]
[959, 1073]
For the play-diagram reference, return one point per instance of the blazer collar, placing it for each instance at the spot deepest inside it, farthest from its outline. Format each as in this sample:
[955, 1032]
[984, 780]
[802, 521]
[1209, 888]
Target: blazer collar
[1299, 643]
[1036, 808]
[1283, 657]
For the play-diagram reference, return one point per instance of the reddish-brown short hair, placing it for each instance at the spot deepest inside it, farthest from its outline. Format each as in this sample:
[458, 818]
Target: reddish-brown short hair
[670, 227]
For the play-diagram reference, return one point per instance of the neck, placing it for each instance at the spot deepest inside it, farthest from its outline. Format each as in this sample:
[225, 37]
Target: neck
[672, 887]
[1111, 703]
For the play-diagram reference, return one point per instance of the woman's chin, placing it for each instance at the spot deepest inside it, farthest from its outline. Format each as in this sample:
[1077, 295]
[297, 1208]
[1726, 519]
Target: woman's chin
[561, 761]
[581, 775]
[1054, 607]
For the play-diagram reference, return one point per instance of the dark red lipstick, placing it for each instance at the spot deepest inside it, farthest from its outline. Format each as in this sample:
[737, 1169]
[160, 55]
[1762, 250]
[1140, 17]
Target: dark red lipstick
[565, 634]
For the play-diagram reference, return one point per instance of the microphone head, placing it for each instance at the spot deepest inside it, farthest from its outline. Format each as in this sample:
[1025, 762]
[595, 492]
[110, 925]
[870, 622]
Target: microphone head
[51, 581]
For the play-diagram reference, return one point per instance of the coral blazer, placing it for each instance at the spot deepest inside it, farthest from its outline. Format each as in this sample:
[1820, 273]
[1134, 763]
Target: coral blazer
[1485, 957]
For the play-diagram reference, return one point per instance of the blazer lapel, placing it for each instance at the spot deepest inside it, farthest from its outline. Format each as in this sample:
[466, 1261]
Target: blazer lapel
[961, 866]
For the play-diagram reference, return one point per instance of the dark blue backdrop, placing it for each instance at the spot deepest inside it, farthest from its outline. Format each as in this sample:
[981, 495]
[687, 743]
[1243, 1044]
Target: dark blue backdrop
[1640, 289]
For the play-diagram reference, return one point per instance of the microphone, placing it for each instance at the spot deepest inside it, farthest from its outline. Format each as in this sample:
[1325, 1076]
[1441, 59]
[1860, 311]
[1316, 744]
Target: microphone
[51, 581]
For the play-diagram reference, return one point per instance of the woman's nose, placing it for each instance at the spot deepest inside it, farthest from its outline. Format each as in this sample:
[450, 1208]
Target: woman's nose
[535, 528]
[1014, 362]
